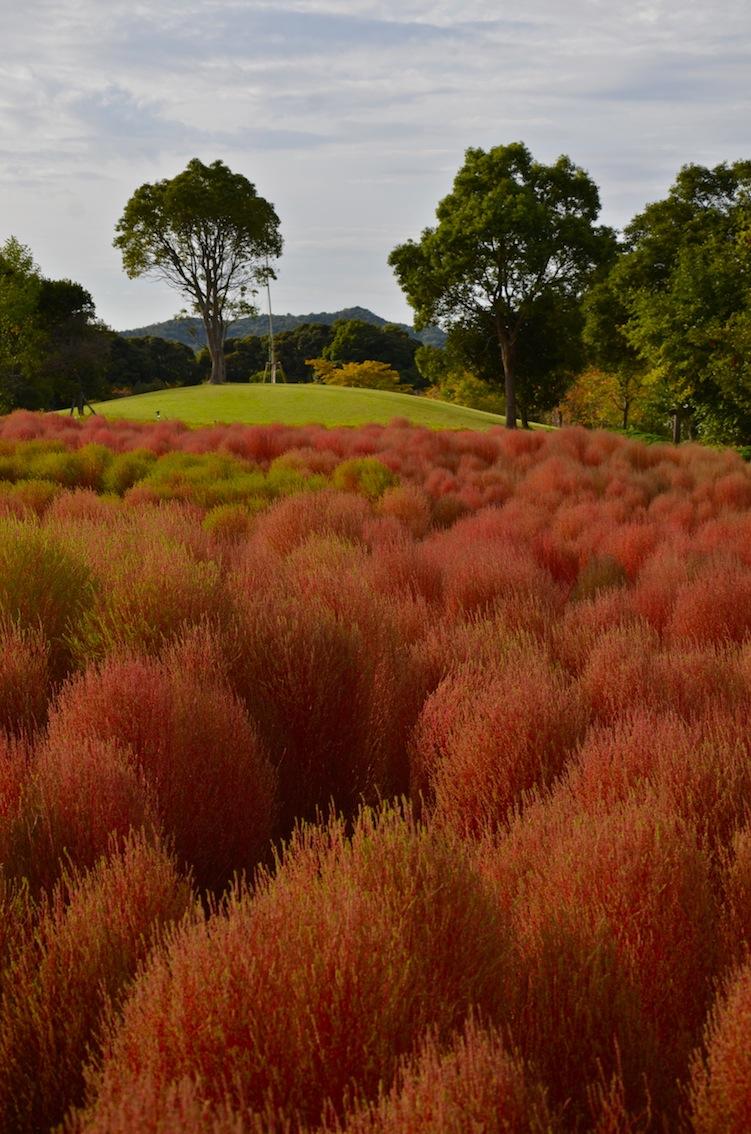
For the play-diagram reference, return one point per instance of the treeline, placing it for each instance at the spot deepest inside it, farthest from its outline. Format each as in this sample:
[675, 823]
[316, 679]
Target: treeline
[54, 352]
[651, 327]
[345, 341]
[547, 314]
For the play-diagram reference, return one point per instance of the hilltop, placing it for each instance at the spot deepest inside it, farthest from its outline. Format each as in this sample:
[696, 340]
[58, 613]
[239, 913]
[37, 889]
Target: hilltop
[189, 329]
[294, 405]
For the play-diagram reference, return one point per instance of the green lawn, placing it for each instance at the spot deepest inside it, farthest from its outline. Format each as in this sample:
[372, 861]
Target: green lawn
[293, 405]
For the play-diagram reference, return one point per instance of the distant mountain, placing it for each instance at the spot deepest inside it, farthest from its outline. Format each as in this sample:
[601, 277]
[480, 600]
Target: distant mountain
[190, 330]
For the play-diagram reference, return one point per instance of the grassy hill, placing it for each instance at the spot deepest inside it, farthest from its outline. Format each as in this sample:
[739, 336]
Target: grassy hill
[293, 405]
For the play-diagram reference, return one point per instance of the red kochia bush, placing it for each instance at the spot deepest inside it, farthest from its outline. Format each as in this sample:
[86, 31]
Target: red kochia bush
[721, 1082]
[489, 733]
[714, 605]
[293, 520]
[178, 1110]
[190, 738]
[316, 984]
[87, 790]
[700, 767]
[615, 933]
[90, 938]
[15, 759]
[24, 677]
[148, 596]
[304, 675]
[474, 1085]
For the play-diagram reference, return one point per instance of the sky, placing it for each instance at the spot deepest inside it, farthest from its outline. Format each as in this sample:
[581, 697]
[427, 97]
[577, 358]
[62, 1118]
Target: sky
[351, 116]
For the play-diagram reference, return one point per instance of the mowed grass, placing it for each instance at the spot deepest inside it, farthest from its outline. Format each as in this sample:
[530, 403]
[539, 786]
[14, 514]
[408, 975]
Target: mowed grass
[293, 405]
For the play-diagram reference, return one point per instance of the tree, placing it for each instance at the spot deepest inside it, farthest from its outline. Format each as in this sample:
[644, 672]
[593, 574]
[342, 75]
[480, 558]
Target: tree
[370, 374]
[73, 345]
[609, 347]
[20, 282]
[144, 362]
[52, 348]
[686, 282]
[207, 233]
[357, 341]
[309, 340]
[511, 236]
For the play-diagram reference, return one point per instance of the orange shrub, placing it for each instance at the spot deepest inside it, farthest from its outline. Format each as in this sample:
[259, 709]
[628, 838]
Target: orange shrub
[699, 768]
[315, 985]
[714, 605]
[473, 1084]
[488, 734]
[720, 1089]
[24, 677]
[190, 740]
[148, 597]
[615, 932]
[87, 790]
[293, 520]
[15, 760]
[90, 938]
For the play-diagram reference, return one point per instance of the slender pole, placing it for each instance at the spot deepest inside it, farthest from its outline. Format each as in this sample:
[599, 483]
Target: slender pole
[272, 349]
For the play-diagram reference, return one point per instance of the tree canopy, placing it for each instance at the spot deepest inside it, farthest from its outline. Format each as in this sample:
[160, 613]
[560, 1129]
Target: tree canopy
[207, 233]
[354, 340]
[513, 237]
[684, 282]
[53, 350]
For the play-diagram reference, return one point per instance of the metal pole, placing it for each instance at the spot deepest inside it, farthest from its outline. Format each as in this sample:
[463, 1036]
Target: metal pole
[272, 350]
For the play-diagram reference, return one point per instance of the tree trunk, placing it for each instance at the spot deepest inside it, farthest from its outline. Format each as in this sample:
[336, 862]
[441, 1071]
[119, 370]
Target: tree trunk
[676, 428]
[523, 413]
[626, 408]
[507, 361]
[215, 343]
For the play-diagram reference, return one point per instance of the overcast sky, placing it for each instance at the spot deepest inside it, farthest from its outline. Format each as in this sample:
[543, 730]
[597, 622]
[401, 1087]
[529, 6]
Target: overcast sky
[351, 116]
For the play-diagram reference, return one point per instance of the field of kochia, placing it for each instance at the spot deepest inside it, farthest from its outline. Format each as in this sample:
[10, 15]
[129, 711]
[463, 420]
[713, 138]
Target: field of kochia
[372, 781]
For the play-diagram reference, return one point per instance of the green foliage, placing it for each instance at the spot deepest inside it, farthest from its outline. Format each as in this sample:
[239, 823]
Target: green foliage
[45, 585]
[51, 347]
[464, 389]
[366, 475]
[369, 375]
[127, 469]
[136, 362]
[683, 281]
[207, 233]
[514, 239]
[357, 341]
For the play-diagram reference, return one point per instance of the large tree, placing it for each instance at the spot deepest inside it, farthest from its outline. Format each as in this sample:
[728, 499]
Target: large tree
[512, 237]
[20, 284]
[208, 234]
[685, 279]
[53, 350]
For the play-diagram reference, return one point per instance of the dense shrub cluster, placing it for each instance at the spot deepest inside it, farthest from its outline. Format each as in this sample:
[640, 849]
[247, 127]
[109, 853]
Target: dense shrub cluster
[372, 780]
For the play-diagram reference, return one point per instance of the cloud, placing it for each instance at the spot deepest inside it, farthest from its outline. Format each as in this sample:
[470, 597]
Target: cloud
[351, 115]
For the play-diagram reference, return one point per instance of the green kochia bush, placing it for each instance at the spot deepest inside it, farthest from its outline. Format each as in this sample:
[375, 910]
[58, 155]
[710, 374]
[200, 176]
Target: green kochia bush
[43, 585]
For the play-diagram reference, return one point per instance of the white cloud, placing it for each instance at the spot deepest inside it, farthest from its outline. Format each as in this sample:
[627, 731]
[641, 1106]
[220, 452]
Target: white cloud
[350, 115]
